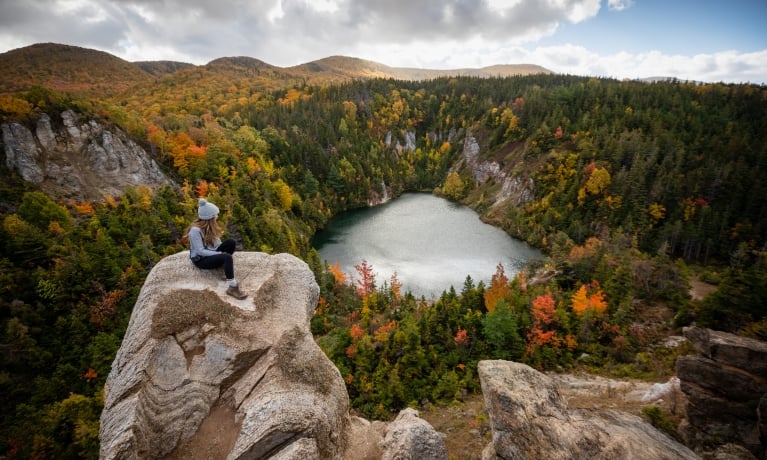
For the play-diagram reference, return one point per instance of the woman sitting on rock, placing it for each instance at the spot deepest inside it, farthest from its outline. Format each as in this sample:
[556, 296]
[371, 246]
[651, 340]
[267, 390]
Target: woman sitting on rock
[206, 249]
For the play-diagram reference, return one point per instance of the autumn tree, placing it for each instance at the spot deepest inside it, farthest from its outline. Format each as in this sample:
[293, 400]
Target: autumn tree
[396, 289]
[589, 299]
[338, 274]
[597, 181]
[499, 289]
[454, 187]
[541, 332]
[366, 282]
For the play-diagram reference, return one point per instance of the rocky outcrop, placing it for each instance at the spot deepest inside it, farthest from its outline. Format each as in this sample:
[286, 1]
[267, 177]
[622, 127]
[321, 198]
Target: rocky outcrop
[517, 188]
[411, 437]
[725, 387]
[530, 419]
[408, 139]
[79, 159]
[202, 375]
[407, 437]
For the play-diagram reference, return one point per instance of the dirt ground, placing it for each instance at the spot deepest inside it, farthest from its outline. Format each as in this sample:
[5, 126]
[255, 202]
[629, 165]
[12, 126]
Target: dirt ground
[214, 439]
[699, 290]
[465, 425]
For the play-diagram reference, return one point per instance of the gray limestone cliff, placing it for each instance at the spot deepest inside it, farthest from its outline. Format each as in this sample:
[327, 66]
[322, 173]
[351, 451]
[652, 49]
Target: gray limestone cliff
[203, 375]
[515, 187]
[75, 158]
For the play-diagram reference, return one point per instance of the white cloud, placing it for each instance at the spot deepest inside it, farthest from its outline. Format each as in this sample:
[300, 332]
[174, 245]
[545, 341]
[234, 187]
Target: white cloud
[275, 13]
[619, 5]
[728, 66]
[581, 11]
[326, 6]
[399, 33]
[500, 6]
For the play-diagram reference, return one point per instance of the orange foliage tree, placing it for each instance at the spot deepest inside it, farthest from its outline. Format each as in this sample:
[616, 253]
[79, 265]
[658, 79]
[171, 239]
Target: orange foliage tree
[461, 337]
[338, 274]
[202, 188]
[382, 333]
[356, 332]
[499, 289]
[543, 317]
[185, 152]
[589, 298]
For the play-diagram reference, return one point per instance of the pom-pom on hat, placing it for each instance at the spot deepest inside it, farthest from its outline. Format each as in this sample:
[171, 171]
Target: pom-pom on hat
[206, 210]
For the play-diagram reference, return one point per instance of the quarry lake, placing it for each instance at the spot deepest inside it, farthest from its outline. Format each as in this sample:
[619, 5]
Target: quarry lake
[431, 243]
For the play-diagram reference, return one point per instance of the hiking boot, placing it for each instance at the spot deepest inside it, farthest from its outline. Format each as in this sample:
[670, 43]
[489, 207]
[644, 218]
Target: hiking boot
[235, 292]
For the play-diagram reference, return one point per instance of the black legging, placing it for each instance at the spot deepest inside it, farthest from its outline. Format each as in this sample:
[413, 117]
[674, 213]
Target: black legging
[226, 249]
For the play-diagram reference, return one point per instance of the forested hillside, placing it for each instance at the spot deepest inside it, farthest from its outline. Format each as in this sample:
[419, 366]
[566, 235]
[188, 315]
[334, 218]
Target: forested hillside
[637, 187]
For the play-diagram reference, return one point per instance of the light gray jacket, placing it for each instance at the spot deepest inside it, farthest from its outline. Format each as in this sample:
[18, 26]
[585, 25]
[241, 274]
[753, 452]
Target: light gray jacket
[197, 248]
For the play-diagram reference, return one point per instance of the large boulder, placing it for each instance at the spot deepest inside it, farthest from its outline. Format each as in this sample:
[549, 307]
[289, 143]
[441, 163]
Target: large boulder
[411, 437]
[203, 375]
[530, 419]
[725, 387]
[407, 437]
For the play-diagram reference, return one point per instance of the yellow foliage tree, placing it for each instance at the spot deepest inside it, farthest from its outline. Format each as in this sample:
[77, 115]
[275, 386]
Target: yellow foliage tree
[597, 183]
[284, 195]
[15, 106]
[453, 187]
[657, 212]
[396, 288]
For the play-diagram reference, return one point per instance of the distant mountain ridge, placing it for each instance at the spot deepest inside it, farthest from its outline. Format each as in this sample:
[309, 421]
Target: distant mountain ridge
[67, 68]
[360, 68]
[72, 68]
[159, 68]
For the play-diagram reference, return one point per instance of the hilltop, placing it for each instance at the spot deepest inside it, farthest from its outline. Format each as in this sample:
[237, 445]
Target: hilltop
[67, 68]
[75, 69]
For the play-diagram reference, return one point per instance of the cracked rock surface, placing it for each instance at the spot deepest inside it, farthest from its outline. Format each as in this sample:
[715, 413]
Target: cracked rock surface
[203, 375]
[530, 419]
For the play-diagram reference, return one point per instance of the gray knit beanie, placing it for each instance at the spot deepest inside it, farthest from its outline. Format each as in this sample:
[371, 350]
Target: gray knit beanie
[206, 210]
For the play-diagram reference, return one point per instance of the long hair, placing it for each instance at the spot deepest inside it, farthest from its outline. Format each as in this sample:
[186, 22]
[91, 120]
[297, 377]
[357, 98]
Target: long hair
[210, 229]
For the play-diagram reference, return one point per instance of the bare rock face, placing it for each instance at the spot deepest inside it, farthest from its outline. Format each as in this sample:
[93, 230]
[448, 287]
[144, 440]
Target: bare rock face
[726, 390]
[72, 158]
[517, 188]
[530, 420]
[203, 375]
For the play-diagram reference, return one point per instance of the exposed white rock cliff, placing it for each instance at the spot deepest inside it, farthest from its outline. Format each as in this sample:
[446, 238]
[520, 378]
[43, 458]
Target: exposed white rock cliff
[203, 375]
[530, 419]
[80, 159]
[518, 188]
[408, 138]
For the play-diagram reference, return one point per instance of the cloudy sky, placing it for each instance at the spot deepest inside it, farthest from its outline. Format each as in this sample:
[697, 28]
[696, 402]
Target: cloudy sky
[705, 40]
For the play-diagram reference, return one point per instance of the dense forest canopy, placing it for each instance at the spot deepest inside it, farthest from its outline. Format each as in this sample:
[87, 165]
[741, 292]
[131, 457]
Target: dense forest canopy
[637, 187]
